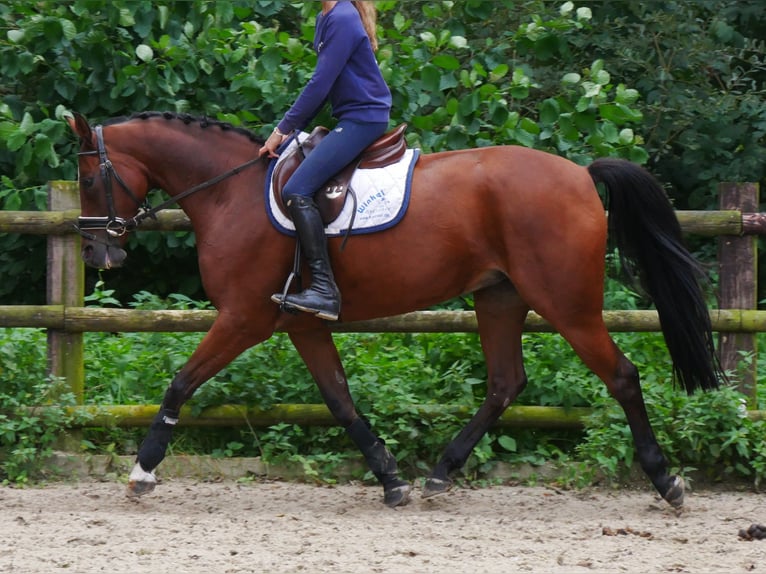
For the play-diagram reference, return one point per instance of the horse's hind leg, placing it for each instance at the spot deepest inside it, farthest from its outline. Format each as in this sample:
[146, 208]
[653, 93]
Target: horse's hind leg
[591, 341]
[500, 313]
[320, 355]
[566, 289]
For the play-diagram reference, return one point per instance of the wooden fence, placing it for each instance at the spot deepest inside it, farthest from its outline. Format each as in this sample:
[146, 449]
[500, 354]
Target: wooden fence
[64, 316]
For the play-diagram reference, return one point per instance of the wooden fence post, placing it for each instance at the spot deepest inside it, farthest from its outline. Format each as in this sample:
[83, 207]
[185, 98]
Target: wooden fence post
[65, 286]
[738, 265]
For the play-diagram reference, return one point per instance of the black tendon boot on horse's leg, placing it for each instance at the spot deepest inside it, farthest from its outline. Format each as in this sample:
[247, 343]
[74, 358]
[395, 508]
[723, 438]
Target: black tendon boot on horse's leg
[396, 492]
[322, 298]
[151, 453]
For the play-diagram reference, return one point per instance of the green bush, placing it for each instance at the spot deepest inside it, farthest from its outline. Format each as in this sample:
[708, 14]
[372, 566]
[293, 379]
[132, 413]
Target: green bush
[708, 432]
[27, 435]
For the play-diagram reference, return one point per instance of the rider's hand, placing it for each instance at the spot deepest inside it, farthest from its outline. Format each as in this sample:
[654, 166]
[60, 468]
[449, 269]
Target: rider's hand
[275, 140]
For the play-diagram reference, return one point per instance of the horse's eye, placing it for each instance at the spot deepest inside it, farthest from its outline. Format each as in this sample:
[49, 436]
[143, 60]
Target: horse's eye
[87, 182]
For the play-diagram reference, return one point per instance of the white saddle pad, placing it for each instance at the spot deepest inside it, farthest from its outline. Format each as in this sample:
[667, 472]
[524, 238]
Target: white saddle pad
[382, 196]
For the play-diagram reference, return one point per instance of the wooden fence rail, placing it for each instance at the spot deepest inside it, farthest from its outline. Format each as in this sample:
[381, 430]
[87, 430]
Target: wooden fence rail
[66, 318]
[101, 319]
[705, 223]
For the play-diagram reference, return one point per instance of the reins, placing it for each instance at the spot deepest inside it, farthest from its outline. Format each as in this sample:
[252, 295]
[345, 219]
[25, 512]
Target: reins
[151, 212]
[117, 226]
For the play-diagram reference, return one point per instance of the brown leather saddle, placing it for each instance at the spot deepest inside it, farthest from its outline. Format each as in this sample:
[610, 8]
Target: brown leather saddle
[386, 150]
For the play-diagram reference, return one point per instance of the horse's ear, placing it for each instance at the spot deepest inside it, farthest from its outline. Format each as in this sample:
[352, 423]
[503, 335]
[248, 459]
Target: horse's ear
[80, 126]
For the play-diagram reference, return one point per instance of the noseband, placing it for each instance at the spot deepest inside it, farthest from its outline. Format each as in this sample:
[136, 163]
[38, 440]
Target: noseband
[117, 226]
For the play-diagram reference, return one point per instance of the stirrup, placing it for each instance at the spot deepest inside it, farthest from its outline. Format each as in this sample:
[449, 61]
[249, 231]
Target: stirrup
[295, 274]
[279, 298]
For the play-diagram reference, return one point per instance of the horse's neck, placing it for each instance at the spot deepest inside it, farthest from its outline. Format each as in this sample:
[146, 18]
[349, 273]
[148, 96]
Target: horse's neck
[187, 160]
[178, 160]
[167, 154]
[222, 191]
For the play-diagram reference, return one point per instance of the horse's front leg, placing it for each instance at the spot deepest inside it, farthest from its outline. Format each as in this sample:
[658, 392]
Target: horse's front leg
[222, 344]
[320, 355]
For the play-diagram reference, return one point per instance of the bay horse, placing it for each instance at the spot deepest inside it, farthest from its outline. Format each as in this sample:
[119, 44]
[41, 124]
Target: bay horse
[519, 228]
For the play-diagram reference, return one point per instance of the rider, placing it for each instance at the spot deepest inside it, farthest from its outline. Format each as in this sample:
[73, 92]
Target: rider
[347, 74]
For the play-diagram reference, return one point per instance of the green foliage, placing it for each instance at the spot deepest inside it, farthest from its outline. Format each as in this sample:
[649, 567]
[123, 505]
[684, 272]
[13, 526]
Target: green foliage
[462, 93]
[22, 257]
[125, 368]
[708, 432]
[28, 435]
[228, 60]
[701, 70]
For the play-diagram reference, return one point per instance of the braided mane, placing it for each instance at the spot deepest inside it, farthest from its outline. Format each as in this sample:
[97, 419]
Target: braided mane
[203, 121]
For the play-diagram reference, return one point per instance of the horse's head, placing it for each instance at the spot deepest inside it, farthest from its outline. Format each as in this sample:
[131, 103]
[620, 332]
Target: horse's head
[113, 188]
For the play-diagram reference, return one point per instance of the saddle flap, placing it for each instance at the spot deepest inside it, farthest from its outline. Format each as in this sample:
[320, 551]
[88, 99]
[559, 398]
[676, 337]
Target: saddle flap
[288, 164]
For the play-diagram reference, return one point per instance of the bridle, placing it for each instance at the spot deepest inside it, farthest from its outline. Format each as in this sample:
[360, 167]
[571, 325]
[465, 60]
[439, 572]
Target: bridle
[115, 226]
[118, 226]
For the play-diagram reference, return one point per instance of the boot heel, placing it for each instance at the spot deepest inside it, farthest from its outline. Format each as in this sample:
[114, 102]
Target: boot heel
[327, 316]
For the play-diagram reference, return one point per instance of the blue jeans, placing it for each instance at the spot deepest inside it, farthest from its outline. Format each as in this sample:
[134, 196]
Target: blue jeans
[334, 152]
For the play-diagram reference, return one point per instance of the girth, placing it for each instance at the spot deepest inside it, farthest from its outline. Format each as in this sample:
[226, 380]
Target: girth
[331, 197]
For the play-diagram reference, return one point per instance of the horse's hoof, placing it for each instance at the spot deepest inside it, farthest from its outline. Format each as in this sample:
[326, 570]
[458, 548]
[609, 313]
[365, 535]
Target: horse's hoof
[397, 496]
[140, 482]
[434, 486]
[675, 494]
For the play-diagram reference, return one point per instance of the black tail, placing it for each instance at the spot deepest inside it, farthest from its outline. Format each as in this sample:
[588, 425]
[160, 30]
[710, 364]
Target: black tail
[644, 226]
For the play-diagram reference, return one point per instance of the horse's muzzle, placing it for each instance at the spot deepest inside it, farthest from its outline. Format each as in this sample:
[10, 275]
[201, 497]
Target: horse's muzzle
[102, 256]
[101, 249]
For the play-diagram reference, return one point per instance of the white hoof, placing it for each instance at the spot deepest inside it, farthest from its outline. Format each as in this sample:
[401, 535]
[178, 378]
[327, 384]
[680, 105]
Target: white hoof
[140, 482]
[675, 494]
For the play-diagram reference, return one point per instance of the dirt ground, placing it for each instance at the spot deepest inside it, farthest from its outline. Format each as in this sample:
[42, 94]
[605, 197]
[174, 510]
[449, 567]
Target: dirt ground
[187, 526]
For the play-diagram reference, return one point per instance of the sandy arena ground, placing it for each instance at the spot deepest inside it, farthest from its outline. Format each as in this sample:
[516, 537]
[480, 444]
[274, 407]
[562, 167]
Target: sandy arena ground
[187, 526]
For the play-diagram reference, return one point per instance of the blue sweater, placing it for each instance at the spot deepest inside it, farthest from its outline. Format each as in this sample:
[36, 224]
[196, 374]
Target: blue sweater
[346, 73]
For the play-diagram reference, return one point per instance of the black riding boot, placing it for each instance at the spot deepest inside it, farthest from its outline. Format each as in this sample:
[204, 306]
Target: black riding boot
[322, 298]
